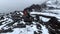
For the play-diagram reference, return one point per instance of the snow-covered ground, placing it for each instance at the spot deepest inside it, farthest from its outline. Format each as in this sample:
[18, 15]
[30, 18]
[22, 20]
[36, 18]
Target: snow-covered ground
[54, 3]
[44, 30]
[47, 14]
[6, 21]
[28, 30]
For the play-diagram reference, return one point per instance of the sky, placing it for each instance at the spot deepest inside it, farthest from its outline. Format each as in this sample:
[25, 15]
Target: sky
[12, 5]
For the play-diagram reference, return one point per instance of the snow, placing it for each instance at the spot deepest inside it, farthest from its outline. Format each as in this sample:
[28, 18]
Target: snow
[33, 27]
[22, 22]
[15, 24]
[16, 31]
[53, 11]
[57, 11]
[44, 19]
[46, 14]
[5, 28]
[44, 30]
[33, 22]
[6, 21]
[27, 30]
[54, 3]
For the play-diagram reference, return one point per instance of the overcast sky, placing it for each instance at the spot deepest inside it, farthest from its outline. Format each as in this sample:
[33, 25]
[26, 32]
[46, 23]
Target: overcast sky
[12, 5]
